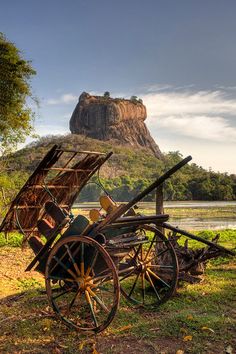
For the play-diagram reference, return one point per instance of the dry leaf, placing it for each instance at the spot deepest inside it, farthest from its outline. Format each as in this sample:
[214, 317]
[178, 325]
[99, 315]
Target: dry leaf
[81, 345]
[94, 350]
[187, 338]
[125, 328]
[229, 350]
[179, 351]
[204, 328]
[63, 346]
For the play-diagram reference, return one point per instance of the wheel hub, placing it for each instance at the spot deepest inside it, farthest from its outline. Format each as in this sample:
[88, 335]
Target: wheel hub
[142, 267]
[84, 282]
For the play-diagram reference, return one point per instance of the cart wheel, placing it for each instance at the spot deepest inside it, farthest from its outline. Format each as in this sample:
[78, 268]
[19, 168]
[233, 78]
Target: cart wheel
[82, 283]
[149, 274]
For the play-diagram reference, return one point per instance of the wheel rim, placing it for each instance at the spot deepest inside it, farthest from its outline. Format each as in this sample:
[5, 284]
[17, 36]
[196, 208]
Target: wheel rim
[152, 271]
[82, 283]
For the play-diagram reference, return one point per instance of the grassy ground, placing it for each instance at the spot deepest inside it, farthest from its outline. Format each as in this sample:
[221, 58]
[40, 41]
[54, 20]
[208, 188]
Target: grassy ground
[228, 211]
[199, 319]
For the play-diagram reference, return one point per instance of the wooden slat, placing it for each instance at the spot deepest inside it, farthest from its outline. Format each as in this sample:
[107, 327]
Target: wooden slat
[83, 152]
[34, 190]
[66, 169]
[27, 230]
[35, 206]
[38, 186]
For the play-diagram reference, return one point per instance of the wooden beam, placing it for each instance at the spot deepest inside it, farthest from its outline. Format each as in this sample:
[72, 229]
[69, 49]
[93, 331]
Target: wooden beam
[83, 152]
[35, 206]
[159, 200]
[159, 204]
[66, 169]
[38, 186]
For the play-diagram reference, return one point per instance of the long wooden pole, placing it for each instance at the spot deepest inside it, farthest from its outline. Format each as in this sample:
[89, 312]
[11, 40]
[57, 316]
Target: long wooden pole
[197, 238]
[124, 208]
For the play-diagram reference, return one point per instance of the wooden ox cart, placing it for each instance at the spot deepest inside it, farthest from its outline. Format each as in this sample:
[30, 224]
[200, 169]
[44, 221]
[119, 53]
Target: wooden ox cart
[88, 264]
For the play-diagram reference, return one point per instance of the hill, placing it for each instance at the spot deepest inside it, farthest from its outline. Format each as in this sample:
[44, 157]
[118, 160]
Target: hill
[128, 171]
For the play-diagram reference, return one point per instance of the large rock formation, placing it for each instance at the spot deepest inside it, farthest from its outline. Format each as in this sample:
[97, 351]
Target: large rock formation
[105, 118]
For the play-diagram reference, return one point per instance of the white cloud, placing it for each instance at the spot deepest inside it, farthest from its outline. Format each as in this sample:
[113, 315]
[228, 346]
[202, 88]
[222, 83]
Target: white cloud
[166, 87]
[63, 99]
[200, 127]
[66, 116]
[45, 129]
[202, 114]
[68, 98]
[158, 87]
[201, 102]
[226, 88]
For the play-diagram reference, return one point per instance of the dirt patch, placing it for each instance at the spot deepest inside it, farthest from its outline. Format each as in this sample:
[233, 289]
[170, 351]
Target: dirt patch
[133, 345]
[13, 262]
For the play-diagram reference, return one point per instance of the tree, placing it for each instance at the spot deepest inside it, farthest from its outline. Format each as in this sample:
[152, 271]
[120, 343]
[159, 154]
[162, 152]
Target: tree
[133, 98]
[106, 94]
[15, 116]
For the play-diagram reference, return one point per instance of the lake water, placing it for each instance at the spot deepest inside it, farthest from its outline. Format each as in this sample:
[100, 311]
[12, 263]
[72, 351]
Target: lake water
[204, 224]
[189, 223]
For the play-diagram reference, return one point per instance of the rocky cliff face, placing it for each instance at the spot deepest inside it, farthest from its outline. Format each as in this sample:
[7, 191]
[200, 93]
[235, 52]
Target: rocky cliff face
[107, 118]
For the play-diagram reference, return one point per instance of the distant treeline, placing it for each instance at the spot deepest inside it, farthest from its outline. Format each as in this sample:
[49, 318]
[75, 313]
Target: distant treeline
[127, 173]
[193, 184]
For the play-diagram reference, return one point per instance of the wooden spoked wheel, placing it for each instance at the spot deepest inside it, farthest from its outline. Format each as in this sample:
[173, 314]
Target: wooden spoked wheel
[149, 274]
[82, 283]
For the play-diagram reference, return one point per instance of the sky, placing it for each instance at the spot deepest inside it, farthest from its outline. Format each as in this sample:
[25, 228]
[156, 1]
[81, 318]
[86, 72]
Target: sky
[178, 56]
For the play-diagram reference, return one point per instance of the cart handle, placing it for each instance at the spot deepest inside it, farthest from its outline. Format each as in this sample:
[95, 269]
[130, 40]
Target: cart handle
[197, 238]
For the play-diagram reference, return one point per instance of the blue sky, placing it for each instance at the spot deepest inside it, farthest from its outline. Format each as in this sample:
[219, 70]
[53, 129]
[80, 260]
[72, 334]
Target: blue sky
[178, 56]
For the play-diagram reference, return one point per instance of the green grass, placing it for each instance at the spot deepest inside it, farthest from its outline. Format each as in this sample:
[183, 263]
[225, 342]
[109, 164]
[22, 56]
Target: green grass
[227, 238]
[202, 312]
[228, 211]
[13, 239]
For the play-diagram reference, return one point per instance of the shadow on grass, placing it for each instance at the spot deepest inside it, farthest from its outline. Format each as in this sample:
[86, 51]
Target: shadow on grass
[29, 325]
[204, 311]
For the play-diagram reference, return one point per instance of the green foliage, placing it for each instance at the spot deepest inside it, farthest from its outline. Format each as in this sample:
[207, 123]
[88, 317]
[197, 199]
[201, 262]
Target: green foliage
[135, 99]
[126, 173]
[15, 116]
[28, 284]
[10, 184]
[106, 94]
[227, 237]
[14, 240]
